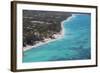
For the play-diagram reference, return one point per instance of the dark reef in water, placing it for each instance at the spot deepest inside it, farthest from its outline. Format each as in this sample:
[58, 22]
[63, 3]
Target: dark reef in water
[38, 25]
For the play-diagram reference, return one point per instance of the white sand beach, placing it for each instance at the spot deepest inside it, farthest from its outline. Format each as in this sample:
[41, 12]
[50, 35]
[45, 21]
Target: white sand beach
[47, 40]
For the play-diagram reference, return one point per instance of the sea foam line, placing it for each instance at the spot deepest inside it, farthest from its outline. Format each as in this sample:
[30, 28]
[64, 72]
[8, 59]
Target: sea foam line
[47, 40]
[66, 20]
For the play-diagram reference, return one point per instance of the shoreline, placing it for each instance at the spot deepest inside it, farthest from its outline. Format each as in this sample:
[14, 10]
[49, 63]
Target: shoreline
[47, 40]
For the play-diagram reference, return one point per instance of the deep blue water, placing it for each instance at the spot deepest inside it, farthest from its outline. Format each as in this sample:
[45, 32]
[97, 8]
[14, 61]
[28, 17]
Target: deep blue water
[74, 45]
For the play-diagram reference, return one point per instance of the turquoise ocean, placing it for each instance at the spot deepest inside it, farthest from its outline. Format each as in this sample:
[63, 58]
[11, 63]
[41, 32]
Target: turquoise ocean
[74, 45]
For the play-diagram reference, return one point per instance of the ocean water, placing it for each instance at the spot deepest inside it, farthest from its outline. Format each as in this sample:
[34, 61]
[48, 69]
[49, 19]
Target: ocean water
[74, 45]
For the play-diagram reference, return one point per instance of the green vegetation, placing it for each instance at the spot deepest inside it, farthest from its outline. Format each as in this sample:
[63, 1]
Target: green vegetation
[38, 25]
